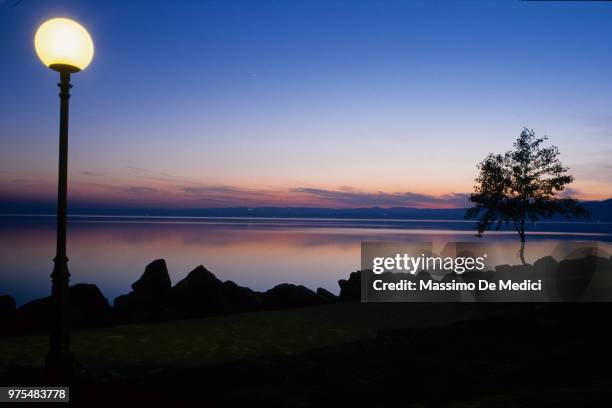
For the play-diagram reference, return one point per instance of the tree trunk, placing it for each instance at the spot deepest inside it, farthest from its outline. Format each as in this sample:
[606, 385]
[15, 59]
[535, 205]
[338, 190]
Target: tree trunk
[522, 234]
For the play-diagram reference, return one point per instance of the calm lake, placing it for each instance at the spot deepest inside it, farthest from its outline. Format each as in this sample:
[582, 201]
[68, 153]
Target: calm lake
[112, 252]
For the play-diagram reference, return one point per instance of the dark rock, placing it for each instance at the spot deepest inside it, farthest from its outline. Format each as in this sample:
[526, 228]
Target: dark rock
[146, 301]
[475, 276]
[350, 290]
[503, 269]
[241, 299]
[7, 306]
[36, 316]
[574, 277]
[128, 310]
[450, 295]
[327, 295]
[9, 323]
[546, 265]
[514, 272]
[87, 305]
[288, 296]
[200, 294]
[154, 282]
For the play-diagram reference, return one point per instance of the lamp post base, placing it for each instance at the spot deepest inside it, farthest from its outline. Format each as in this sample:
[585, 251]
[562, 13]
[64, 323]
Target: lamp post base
[63, 369]
[60, 368]
[60, 363]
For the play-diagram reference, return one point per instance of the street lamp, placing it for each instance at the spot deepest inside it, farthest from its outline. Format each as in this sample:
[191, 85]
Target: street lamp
[66, 47]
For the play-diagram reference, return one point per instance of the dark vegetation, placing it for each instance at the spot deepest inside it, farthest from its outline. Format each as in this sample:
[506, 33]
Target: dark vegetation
[551, 356]
[351, 354]
[522, 186]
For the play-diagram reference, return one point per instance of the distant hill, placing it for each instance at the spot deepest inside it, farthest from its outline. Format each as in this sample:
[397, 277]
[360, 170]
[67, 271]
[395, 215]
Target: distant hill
[601, 211]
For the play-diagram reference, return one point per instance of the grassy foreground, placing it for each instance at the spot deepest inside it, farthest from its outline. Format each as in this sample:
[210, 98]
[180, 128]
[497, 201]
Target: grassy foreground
[384, 355]
[143, 349]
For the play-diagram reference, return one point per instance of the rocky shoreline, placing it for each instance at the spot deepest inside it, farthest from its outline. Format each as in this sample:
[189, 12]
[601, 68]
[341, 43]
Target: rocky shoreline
[153, 298]
[201, 294]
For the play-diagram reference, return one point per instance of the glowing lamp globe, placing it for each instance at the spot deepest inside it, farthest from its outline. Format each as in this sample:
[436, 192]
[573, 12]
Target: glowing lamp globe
[63, 45]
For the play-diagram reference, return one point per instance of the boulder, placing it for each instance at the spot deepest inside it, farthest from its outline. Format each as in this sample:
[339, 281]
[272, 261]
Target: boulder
[154, 282]
[449, 295]
[514, 272]
[87, 305]
[200, 294]
[9, 324]
[546, 265]
[7, 306]
[241, 299]
[574, 277]
[327, 295]
[146, 301]
[350, 290]
[504, 271]
[288, 296]
[128, 309]
[36, 316]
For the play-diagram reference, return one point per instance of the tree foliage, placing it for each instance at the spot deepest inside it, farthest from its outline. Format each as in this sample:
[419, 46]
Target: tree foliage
[522, 186]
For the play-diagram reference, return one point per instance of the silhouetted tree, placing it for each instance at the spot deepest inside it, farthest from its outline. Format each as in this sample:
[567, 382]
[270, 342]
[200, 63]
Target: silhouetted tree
[521, 186]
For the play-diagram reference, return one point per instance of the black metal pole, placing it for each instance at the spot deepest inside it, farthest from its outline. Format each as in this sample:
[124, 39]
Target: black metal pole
[59, 364]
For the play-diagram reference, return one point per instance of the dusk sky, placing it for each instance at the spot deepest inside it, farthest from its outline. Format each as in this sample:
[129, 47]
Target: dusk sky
[304, 103]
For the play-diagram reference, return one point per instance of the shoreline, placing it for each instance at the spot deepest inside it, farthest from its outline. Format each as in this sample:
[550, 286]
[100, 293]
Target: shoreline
[284, 218]
[200, 294]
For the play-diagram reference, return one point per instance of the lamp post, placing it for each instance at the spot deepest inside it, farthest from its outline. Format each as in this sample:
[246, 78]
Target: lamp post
[66, 47]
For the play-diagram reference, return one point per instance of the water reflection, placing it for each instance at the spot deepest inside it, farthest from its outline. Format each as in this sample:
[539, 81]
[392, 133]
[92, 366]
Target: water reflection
[112, 252]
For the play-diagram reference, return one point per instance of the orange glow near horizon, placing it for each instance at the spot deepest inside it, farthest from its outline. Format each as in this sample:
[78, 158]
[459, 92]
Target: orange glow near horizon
[156, 192]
